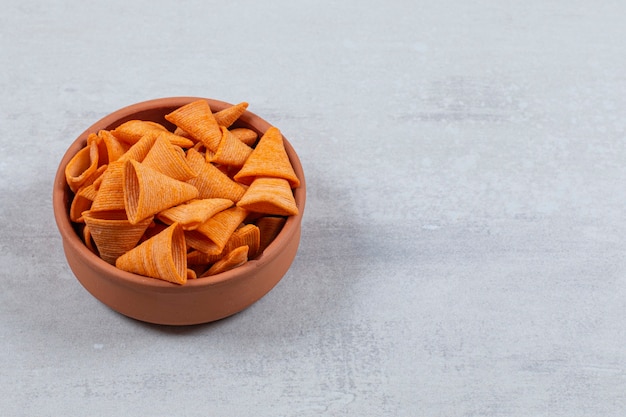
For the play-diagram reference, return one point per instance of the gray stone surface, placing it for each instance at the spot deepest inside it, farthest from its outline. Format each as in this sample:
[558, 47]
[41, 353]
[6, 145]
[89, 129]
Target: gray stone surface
[463, 243]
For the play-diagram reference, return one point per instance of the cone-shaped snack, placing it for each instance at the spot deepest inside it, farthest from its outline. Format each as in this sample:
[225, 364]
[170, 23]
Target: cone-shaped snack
[248, 235]
[86, 194]
[247, 136]
[229, 115]
[269, 228]
[231, 151]
[89, 243]
[110, 147]
[147, 192]
[168, 159]
[140, 149]
[110, 189]
[191, 274]
[113, 233]
[269, 159]
[82, 202]
[162, 256]
[232, 260]
[95, 178]
[83, 164]
[133, 130]
[192, 214]
[201, 149]
[212, 235]
[269, 196]
[197, 258]
[197, 119]
[211, 182]
[176, 140]
[181, 132]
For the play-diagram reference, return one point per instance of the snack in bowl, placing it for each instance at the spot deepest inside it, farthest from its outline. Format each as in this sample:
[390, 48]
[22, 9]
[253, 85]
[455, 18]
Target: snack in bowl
[186, 192]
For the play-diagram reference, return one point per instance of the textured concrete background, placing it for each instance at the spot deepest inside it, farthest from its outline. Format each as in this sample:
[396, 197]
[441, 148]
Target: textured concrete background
[463, 242]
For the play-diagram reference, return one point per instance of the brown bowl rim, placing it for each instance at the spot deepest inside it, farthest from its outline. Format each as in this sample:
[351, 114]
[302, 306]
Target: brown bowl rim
[60, 201]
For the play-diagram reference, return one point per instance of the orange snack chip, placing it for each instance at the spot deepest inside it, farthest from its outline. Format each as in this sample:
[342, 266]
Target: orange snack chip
[181, 132]
[211, 182]
[86, 194]
[113, 234]
[231, 151]
[82, 202]
[229, 115]
[168, 159]
[200, 260]
[270, 196]
[163, 256]
[192, 214]
[139, 149]
[88, 240]
[82, 165]
[110, 194]
[247, 136]
[248, 235]
[197, 120]
[268, 159]
[191, 274]
[133, 130]
[212, 235]
[269, 227]
[231, 260]
[147, 191]
[109, 147]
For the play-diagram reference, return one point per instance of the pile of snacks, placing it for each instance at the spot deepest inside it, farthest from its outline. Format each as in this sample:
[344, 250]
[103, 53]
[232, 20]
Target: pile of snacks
[186, 204]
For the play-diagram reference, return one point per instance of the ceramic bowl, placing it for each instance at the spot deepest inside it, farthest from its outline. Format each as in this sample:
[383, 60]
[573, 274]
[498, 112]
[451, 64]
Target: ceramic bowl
[155, 301]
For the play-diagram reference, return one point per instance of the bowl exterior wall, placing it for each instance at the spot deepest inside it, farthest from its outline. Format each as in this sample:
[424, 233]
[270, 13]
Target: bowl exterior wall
[203, 305]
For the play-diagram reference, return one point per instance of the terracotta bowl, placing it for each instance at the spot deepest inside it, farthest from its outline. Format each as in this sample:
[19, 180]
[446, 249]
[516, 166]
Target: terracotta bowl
[155, 301]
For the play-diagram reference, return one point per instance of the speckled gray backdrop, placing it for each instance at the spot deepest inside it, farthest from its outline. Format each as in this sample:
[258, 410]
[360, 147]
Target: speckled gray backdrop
[463, 242]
